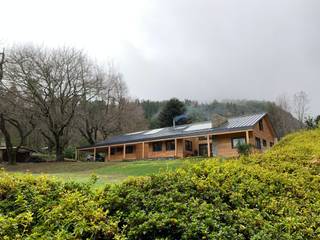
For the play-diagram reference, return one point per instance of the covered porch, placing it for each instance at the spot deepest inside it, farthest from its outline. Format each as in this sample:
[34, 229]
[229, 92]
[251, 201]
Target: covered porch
[206, 145]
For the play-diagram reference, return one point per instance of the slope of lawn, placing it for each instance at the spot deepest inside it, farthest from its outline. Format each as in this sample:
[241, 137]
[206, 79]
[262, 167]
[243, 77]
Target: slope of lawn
[105, 172]
[275, 195]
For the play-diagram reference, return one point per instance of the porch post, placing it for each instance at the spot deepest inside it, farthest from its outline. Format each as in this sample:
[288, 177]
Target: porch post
[208, 143]
[124, 151]
[109, 153]
[175, 147]
[94, 154]
[142, 150]
[247, 137]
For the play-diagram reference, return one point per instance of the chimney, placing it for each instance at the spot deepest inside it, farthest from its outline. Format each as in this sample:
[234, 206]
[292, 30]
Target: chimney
[218, 120]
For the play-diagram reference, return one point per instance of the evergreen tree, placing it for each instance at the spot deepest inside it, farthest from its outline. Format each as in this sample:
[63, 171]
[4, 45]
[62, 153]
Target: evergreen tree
[173, 108]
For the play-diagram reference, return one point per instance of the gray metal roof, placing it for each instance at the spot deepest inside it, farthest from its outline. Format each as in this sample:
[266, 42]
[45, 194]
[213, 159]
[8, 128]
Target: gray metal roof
[233, 124]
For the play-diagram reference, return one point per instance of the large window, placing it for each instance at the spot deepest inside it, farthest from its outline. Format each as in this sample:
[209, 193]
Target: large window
[119, 149]
[170, 146]
[258, 143]
[188, 145]
[157, 146]
[237, 141]
[113, 151]
[261, 125]
[130, 149]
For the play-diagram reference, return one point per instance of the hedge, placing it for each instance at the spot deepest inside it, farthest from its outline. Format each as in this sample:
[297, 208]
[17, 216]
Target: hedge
[275, 195]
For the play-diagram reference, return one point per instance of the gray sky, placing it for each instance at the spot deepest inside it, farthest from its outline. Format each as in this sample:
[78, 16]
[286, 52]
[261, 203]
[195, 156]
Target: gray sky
[196, 49]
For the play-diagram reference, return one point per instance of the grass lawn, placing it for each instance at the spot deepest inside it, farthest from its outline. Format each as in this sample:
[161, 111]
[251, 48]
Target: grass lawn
[111, 172]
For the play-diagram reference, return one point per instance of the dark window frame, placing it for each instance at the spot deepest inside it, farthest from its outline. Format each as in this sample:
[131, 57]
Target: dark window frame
[261, 125]
[170, 146]
[130, 149]
[271, 144]
[157, 146]
[264, 143]
[232, 139]
[113, 150]
[258, 143]
[188, 146]
[119, 149]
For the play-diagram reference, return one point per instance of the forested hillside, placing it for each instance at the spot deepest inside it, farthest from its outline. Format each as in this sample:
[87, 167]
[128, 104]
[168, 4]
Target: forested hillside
[282, 120]
[267, 196]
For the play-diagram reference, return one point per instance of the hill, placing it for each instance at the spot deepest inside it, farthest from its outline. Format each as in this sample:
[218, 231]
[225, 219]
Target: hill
[283, 121]
[274, 195]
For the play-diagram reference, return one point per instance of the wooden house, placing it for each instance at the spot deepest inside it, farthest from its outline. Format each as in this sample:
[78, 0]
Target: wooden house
[218, 137]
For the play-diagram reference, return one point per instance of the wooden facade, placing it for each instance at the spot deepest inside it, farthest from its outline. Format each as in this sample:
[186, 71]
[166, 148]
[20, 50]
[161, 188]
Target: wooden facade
[261, 136]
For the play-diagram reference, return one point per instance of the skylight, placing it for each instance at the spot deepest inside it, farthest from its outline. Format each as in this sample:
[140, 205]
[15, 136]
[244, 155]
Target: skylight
[153, 131]
[134, 133]
[200, 126]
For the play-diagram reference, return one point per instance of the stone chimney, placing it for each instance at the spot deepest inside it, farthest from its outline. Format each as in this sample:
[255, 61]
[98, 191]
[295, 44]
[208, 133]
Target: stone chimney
[218, 120]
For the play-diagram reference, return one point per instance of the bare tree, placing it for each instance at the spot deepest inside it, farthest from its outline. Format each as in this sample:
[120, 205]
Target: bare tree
[16, 122]
[52, 81]
[109, 112]
[300, 105]
[283, 101]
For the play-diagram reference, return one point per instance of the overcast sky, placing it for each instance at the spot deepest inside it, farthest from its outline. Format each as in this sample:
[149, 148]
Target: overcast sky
[195, 49]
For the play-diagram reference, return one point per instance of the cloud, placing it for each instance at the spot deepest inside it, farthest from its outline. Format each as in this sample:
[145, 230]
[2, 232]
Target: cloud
[205, 50]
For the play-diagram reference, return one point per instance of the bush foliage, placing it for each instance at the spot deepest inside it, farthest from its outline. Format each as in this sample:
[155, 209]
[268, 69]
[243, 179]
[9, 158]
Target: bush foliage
[275, 195]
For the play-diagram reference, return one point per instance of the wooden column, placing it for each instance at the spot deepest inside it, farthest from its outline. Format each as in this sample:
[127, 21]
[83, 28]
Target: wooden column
[124, 151]
[208, 142]
[109, 153]
[247, 137]
[94, 154]
[175, 147]
[143, 150]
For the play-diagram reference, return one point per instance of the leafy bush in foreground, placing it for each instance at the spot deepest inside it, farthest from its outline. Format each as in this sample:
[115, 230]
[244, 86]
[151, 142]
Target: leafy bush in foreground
[271, 196]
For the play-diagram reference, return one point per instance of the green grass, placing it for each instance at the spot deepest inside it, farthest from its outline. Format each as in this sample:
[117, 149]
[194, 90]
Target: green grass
[111, 172]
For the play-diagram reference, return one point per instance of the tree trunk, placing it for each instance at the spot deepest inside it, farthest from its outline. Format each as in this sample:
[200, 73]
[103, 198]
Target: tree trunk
[59, 153]
[10, 151]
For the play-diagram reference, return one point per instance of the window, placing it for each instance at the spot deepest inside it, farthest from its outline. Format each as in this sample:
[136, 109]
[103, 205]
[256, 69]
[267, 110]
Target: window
[258, 143]
[113, 151]
[188, 145]
[271, 144]
[119, 149]
[261, 125]
[236, 141]
[264, 142]
[130, 149]
[157, 146]
[202, 138]
[170, 146]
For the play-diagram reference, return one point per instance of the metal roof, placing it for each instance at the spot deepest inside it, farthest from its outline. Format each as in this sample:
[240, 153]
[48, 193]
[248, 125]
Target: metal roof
[233, 124]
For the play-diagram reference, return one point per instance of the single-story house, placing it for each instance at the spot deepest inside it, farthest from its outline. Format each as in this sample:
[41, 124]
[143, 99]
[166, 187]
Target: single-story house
[218, 137]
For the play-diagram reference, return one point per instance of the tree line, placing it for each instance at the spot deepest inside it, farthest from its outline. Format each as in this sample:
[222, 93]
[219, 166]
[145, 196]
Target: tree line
[161, 113]
[55, 97]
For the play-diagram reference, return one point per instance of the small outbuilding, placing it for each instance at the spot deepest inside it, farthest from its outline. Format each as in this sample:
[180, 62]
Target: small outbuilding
[23, 154]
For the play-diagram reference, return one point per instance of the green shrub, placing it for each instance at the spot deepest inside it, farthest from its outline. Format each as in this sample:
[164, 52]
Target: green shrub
[263, 196]
[244, 149]
[69, 152]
